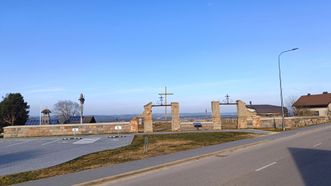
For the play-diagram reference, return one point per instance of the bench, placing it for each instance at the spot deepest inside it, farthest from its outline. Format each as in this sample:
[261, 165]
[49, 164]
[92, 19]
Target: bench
[197, 125]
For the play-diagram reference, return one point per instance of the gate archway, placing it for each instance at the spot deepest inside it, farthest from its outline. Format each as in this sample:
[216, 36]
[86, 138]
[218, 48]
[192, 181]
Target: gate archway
[148, 116]
[242, 114]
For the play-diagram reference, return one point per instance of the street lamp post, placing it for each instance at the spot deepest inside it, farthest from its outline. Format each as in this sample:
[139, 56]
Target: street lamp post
[280, 85]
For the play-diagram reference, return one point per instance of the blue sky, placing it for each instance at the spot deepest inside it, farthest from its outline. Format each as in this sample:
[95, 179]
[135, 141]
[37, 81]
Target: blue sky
[122, 53]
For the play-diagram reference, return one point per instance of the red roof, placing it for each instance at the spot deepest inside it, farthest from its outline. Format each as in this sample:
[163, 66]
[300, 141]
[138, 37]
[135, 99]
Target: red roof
[317, 100]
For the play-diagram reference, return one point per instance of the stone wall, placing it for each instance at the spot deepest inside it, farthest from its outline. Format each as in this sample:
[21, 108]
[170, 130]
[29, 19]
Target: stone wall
[66, 129]
[242, 114]
[290, 122]
[188, 126]
[229, 123]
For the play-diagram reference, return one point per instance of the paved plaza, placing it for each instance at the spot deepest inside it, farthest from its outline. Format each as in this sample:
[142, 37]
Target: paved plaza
[20, 155]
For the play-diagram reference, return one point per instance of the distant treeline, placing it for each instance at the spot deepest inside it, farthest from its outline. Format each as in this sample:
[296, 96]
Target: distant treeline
[156, 116]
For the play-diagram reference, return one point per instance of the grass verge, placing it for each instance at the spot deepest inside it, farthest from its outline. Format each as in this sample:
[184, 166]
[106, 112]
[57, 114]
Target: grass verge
[158, 145]
[270, 129]
[273, 129]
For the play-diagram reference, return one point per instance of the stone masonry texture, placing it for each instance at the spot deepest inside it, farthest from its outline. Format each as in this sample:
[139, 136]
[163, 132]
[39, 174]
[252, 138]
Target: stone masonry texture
[216, 116]
[148, 120]
[65, 130]
[175, 123]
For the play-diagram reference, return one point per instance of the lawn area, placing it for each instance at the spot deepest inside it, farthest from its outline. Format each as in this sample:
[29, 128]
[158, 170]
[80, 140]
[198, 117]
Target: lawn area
[158, 145]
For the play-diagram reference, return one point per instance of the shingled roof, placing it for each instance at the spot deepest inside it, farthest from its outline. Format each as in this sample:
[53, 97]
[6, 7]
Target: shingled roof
[267, 109]
[317, 100]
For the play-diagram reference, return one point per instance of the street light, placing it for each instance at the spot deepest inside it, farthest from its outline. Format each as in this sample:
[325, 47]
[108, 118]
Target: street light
[280, 85]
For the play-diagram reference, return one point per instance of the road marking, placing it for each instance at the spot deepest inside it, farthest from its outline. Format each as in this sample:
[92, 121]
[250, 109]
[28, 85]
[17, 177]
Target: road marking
[266, 166]
[50, 142]
[86, 141]
[318, 144]
[18, 143]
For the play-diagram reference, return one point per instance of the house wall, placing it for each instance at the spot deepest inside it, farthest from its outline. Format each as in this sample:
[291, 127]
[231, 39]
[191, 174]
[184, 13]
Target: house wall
[322, 111]
[66, 129]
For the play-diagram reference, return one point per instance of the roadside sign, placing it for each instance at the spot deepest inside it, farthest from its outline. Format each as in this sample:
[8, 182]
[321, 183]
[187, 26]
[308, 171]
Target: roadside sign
[74, 130]
[118, 128]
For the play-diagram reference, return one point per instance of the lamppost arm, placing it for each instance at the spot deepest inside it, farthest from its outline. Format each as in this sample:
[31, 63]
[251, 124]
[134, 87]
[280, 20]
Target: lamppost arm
[280, 85]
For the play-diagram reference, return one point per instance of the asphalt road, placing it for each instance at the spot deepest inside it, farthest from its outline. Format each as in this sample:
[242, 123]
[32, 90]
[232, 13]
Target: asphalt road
[20, 155]
[233, 168]
[303, 158]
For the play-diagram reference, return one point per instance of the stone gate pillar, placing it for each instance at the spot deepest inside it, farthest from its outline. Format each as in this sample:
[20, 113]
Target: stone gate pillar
[175, 123]
[134, 124]
[242, 114]
[148, 120]
[216, 116]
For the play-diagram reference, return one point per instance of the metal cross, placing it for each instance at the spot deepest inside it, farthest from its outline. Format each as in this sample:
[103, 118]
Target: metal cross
[165, 94]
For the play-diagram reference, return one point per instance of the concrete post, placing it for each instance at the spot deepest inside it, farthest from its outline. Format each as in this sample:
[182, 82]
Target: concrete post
[216, 115]
[148, 120]
[242, 114]
[175, 123]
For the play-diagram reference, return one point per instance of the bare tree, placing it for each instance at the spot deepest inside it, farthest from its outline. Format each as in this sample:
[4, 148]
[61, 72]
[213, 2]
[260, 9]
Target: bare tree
[290, 105]
[66, 108]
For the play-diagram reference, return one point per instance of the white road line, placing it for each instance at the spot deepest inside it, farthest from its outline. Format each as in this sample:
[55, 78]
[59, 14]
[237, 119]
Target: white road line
[54, 141]
[18, 143]
[266, 166]
[318, 144]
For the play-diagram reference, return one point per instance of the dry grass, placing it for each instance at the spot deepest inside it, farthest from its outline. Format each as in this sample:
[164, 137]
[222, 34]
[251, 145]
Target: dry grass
[158, 145]
[158, 126]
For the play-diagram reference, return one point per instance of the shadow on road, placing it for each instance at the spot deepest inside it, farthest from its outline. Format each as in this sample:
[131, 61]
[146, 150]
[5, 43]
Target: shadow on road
[314, 165]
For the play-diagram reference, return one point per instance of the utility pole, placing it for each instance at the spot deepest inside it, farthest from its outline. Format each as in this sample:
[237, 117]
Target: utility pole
[166, 94]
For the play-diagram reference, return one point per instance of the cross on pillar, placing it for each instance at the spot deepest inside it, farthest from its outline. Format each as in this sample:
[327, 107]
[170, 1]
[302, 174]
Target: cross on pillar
[161, 100]
[227, 98]
[165, 94]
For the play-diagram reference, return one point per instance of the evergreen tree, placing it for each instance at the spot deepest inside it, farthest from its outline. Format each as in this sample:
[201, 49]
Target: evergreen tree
[13, 110]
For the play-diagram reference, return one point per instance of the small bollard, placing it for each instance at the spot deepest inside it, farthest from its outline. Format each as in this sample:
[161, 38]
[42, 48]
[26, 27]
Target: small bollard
[145, 144]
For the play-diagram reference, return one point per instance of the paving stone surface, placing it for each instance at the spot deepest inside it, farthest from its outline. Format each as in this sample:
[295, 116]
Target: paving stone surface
[20, 155]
